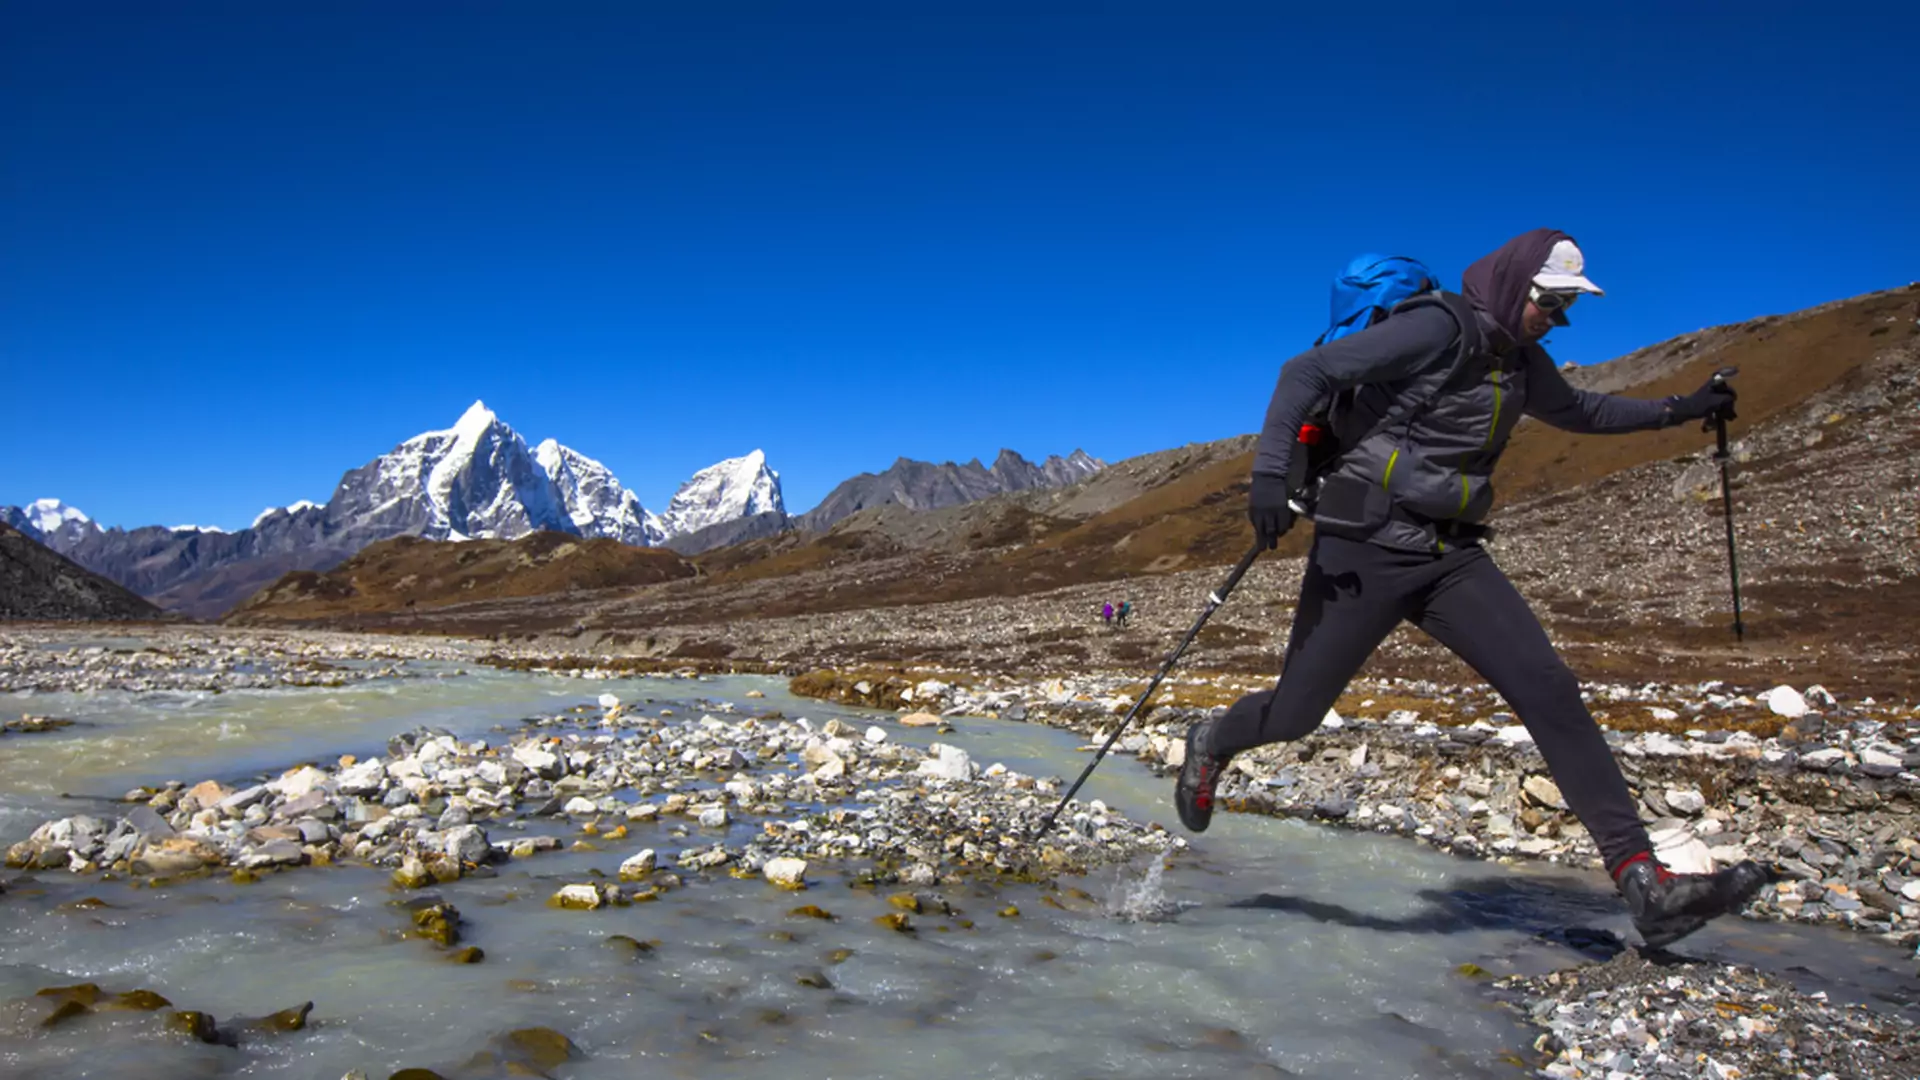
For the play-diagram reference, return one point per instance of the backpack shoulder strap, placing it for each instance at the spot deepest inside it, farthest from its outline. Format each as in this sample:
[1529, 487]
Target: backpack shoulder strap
[1468, 342]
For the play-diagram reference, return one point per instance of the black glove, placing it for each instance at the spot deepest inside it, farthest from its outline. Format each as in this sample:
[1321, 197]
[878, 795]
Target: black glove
[1268, 509]
[1713, 399]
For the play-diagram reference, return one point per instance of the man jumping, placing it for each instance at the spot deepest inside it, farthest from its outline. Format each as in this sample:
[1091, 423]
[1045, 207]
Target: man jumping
[1438, 388]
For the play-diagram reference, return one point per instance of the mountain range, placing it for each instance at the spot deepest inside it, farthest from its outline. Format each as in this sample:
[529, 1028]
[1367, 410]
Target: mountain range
[479, 479]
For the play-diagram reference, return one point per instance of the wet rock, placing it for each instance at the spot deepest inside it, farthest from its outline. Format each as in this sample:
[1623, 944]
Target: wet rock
[412, 874]
[276, 1023]
[578, 898]
[468, 844]
[786, 872]
[542, 1048]
[638, 867]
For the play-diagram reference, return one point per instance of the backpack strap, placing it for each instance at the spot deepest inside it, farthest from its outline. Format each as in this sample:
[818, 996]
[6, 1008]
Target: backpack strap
[1469, 341]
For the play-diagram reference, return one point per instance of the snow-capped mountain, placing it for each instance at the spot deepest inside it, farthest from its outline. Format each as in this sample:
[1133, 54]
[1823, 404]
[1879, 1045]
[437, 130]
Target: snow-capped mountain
[290, 508]
[596, 502]
[46, 517]
[475, 479]
[734, 488]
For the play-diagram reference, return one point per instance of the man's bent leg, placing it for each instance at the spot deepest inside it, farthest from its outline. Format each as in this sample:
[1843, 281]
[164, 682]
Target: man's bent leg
[1350, 600]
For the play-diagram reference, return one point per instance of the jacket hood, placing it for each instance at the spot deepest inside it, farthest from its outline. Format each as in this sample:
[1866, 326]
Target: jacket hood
[1498, 283]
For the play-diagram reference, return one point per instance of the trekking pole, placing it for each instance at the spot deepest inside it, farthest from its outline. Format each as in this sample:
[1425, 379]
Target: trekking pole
[1214, 600]
[1719, 423]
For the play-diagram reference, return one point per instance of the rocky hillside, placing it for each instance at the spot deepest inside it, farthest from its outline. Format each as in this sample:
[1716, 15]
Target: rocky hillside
[37, 583]
[407, 577]
[1617, 539]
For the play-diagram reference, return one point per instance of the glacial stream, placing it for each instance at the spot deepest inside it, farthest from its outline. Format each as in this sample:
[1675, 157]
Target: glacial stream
[1266, 949]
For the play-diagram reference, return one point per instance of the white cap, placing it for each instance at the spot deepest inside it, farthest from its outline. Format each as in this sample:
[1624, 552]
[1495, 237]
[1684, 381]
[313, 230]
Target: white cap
[1566, 269]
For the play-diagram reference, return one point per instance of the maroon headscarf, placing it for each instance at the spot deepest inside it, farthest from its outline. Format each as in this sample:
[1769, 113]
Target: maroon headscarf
[1498, 284]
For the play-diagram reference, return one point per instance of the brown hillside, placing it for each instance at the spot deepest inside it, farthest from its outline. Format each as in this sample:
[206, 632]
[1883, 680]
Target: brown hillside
[408, 575]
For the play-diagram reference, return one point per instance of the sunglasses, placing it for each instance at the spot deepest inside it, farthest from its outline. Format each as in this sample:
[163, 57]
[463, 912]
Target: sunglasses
[1551, 301]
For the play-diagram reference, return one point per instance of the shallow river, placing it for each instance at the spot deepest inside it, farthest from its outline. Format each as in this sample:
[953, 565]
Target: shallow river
[1273, 948]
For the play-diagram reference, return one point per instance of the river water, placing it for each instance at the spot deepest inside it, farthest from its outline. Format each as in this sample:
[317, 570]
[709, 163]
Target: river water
[1267, 949]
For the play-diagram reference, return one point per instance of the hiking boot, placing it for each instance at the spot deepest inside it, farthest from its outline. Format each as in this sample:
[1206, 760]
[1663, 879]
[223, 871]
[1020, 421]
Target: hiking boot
[1193, 792]
[1667, 906]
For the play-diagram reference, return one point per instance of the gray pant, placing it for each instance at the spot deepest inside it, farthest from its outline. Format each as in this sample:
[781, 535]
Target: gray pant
[1353, 596]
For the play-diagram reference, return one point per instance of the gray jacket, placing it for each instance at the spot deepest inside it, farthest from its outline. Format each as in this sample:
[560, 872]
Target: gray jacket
[1430, 418]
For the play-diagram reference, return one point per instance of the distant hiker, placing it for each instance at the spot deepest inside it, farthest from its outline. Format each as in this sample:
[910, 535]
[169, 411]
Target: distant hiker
[1126, 608]
[1440, 383]
[1106, 613]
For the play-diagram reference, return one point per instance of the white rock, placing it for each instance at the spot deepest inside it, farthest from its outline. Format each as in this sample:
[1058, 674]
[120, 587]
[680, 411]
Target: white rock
[1819, 695]
[609, 701]
[1785, 701]
[713, 817]
[579, 896]
[876, 734]
[1544, 791]
[1332, 721]
[638, 866]
[362, 779]
[539, 759]
[580, 806]
[791, 873]
[947, 763]
[1824, 759]
[1659, 712]
[297, 782]
[1513, 735]
[1880, 763]
[1911, 890]
[1686, 801]
[467, 843]
[1358, 757]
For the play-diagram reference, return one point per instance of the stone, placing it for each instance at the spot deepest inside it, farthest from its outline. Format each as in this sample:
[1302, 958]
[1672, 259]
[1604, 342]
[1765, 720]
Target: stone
[299, 781]
[1544, 791]
[412, 874]
[1823, 760]
[578, 898]
[467, 843]
[609, 701]
[538, 760]
[208, 793]
[366, 778]
[1685, 801]
[876, 735]
[274, 853]
[713, 817]
[579, 806]
[1785, 701]
[921, 719]
[1880, 763]
[946, 762]
[786, 872]
[175, 855]
[638, 867]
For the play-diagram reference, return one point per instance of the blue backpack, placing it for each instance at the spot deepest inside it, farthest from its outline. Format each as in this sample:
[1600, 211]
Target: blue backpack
[1363, 294]
[1369, 287]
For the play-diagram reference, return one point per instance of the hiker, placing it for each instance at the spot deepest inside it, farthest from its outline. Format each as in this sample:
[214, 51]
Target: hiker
[1440, 384]
[1126, 608]
[1106, 613]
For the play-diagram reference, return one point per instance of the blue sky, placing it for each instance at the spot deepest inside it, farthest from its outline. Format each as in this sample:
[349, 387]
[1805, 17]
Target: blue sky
[244, 248]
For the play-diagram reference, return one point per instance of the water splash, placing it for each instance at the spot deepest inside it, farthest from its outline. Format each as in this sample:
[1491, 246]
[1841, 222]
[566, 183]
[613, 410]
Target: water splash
[1139, 895]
